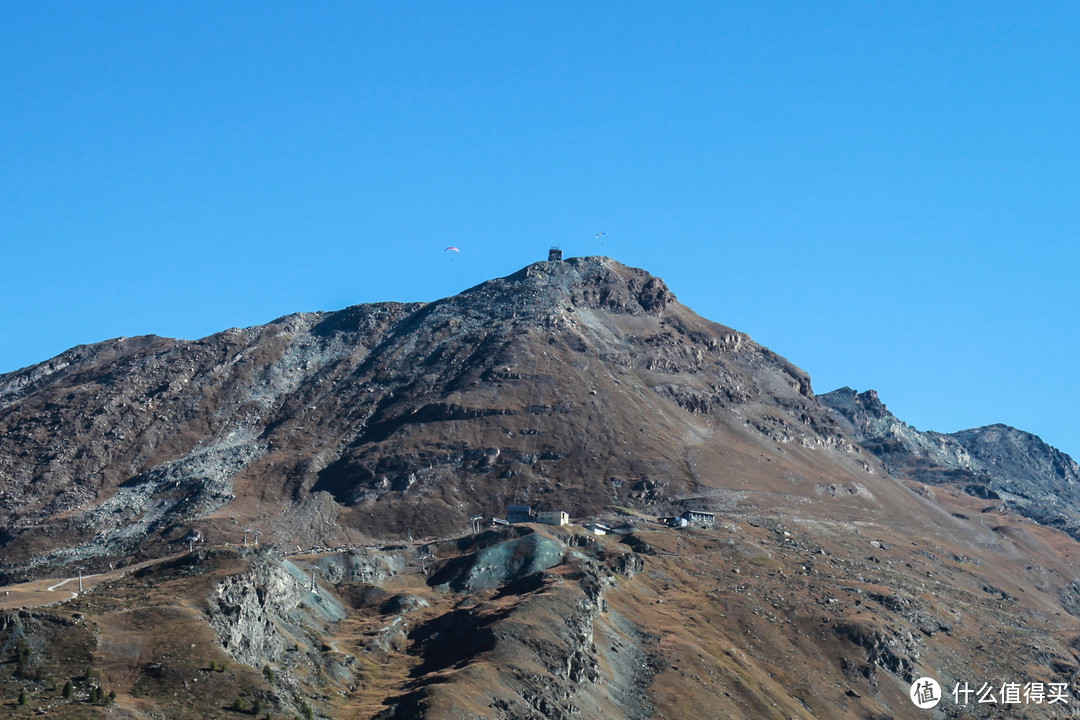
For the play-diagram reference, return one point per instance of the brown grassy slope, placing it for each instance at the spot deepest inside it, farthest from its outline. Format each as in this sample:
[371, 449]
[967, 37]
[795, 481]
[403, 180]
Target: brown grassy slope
[770, 614]
[766, 616]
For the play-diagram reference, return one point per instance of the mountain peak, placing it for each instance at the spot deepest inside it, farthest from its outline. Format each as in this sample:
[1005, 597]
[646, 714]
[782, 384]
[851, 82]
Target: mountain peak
[596, 282]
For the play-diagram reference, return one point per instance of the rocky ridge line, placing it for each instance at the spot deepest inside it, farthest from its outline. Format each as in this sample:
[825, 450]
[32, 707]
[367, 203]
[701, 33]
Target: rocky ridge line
[995, 462]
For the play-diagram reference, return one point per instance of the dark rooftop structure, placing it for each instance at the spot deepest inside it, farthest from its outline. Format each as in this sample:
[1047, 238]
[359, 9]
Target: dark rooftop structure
[519, 513]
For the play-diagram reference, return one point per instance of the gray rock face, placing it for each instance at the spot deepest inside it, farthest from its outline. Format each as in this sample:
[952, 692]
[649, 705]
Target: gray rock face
[261, 613]
[499, 564]
[996, 462]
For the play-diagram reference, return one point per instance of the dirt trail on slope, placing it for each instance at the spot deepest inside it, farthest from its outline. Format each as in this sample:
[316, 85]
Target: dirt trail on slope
[54, 590]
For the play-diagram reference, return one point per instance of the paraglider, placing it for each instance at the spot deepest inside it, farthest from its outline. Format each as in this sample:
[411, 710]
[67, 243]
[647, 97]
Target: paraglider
[452, 248]
[599, 234]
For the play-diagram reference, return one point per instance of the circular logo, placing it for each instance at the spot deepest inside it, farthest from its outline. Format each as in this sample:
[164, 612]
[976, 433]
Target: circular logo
[925, 693]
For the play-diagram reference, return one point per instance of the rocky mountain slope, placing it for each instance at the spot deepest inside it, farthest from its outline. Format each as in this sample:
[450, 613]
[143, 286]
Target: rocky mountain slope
[573, 384]
[850, 555]
[996, 462]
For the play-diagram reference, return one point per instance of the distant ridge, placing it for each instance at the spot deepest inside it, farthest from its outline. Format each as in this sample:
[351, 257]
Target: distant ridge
[995, 462]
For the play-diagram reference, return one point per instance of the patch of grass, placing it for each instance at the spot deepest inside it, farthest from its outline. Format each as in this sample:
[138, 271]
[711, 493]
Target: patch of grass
[763, 561]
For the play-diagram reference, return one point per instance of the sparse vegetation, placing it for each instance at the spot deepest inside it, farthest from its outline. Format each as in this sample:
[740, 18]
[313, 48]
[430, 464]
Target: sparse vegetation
[68, 690]
[763, 561]
[215, 666]
[268, 673]
[23, 653]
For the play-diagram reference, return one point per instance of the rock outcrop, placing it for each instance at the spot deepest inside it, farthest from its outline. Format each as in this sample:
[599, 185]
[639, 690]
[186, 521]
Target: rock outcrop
[269, 612]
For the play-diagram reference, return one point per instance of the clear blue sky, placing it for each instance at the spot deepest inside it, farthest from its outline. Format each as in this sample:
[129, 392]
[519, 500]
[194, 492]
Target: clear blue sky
[888, 194]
